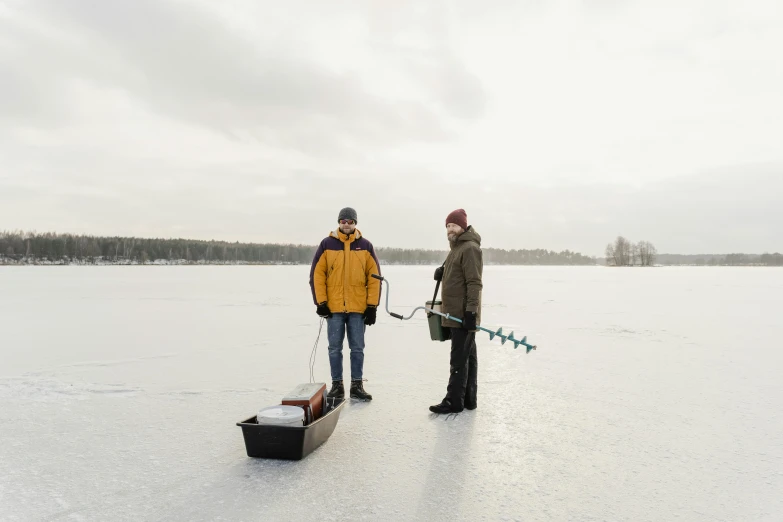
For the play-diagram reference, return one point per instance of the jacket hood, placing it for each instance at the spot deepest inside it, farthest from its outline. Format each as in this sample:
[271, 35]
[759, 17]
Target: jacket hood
[469, 235]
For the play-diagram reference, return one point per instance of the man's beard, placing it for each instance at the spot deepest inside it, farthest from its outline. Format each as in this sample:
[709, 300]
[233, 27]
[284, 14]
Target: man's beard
[452, 238]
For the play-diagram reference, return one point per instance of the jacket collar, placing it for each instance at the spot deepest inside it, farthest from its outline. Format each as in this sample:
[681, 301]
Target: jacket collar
[337, 234]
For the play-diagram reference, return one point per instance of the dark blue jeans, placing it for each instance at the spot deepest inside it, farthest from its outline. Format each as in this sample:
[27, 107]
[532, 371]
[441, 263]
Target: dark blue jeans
[336, 327]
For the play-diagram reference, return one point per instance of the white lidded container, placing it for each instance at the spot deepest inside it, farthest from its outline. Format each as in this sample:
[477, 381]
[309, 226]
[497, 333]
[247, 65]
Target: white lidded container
[281, 416]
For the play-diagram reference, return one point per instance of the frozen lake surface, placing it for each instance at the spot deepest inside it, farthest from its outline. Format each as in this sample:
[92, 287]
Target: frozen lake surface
[655, 394]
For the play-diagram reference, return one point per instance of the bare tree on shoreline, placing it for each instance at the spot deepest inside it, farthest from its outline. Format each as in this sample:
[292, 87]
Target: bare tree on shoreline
[624, 253]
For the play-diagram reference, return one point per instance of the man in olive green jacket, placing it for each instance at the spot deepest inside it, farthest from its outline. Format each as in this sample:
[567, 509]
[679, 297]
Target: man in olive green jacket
[461, 295]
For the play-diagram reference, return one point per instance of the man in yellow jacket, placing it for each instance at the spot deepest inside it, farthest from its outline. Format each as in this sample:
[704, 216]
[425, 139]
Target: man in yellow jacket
[346, 294]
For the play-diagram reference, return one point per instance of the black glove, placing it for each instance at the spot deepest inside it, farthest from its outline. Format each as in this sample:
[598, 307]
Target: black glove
[469, 322]
[323, 310]
[439, 274]
[369, 315]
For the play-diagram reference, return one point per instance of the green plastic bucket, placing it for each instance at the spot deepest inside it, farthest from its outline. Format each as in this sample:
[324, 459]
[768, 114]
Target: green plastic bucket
[437, 332]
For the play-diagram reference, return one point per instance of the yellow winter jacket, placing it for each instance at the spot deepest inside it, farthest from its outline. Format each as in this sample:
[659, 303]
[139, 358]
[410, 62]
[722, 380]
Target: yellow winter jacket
[341, 273]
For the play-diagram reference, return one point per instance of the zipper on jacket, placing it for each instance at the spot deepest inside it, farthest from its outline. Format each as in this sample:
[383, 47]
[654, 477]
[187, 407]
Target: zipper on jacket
[346, 247]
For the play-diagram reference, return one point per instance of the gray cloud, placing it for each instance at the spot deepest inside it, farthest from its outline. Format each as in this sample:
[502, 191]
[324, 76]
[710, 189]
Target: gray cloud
[695, 214]
[180, 61]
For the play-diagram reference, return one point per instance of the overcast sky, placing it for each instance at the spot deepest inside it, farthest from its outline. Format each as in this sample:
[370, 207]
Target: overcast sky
[554, 124]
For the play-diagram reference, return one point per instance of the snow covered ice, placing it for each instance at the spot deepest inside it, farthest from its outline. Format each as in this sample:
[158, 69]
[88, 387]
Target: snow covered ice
[655, 394]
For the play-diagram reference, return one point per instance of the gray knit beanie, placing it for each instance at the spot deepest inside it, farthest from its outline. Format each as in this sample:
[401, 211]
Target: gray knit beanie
[347, 213]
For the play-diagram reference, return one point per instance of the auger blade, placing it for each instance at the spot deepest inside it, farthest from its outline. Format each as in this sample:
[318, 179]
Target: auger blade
[507, 337]
[499, 333]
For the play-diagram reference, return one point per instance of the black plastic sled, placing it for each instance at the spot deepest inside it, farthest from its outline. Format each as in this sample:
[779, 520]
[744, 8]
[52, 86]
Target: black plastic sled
[290, 442]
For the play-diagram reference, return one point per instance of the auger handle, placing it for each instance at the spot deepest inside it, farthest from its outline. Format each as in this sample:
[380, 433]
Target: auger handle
[396, 316]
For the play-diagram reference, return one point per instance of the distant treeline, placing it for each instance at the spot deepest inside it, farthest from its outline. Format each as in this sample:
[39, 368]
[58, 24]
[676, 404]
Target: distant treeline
[492, 256]
[32, 247]
[775, 259]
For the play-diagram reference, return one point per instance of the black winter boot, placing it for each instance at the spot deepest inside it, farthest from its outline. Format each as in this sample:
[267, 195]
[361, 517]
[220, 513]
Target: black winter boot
[357, 391]
[337, 391]
[444, 407]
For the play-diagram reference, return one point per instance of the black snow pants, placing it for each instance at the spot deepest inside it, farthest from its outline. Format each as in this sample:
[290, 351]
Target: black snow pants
[463, 380]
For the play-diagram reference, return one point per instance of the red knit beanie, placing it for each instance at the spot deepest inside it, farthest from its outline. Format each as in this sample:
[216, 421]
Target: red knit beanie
[458, 217]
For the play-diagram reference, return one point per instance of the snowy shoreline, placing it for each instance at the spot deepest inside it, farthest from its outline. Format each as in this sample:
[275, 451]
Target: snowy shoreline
[183, 262]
